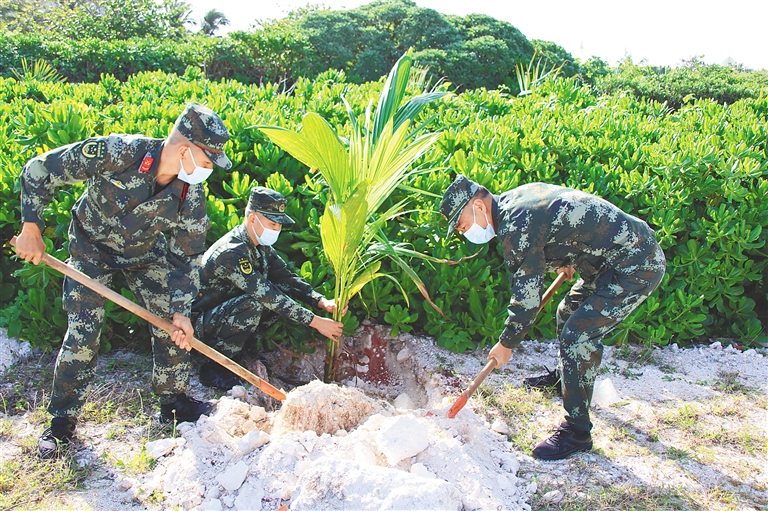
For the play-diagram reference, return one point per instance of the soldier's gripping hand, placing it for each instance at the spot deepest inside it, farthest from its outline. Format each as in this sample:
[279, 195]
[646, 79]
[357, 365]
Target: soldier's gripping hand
[501, 353]
[29, 243]
[330, 306]
[184, 331]
[327, 327]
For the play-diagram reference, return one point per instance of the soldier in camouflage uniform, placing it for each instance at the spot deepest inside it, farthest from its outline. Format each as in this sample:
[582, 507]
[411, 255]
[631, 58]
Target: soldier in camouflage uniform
[142, 214]
[543, 228]
[246, 287]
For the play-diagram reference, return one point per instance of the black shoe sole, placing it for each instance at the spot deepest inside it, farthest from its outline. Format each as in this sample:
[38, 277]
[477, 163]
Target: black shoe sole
[563, 455]
[47, 453]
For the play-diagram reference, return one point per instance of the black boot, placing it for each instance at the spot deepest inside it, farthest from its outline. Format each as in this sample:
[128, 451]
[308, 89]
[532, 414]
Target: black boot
[551, 380]
[563, 443]
[185, 409]
[217, 376]
[58, 435]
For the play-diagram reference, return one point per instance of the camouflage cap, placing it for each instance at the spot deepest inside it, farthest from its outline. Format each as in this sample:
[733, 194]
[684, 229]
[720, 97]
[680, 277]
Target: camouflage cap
[206, 130]
[269, 203]
[455, 198]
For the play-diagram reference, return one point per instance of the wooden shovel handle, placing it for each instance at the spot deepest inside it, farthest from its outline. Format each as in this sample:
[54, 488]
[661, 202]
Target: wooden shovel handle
[552, 289]
[491, 365]
[159, 323]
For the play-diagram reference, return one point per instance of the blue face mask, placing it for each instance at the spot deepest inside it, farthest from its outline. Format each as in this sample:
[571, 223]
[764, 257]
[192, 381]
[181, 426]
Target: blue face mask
[268, 236]
[477, 234]
[197, 176]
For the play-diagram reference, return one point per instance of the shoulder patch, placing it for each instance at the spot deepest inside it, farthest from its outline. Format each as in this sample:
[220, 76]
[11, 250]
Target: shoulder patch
[245, 266]
[95, 149]
[146, 164]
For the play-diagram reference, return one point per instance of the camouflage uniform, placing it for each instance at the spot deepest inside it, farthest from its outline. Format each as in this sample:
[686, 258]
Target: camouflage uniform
[245, 288]
[544, 227]
[123, 222]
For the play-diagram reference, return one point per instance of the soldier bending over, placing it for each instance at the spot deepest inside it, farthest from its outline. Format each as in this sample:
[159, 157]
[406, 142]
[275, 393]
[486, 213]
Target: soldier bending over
[542, 228]
[143, 215]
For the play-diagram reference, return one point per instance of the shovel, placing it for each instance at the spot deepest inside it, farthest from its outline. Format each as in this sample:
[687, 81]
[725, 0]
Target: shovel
[491, 365]
[160, 323]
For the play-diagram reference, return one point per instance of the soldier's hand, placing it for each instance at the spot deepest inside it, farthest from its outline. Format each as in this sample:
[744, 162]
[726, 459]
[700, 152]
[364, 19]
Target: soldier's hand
[330, 306]
[29, 243]
[568, 272]
[184, 331]
[328, 327]
[501, 353]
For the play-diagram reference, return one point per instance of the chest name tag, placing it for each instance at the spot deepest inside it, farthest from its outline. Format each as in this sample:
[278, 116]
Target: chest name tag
[146, 164]
[245, 266]
[95, 149]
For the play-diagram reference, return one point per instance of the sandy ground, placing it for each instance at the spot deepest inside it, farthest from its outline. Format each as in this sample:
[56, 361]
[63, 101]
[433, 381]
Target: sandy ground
[683, 425]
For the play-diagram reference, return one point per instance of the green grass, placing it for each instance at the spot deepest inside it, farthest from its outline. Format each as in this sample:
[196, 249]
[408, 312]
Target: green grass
[617, 498]
[40, 478]
[728, 383]
[678, 454]
[685, 416]
[515, 406]
[6, 427]
[140, 463]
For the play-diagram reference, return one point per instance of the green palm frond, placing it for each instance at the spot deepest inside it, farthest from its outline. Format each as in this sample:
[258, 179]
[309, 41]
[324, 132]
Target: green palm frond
[40, 71]
[535, 72]
[361, 175]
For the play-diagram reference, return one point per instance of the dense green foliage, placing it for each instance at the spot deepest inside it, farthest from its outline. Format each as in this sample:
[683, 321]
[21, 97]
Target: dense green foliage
[85, 39]
[675, 86]
[245, 56]
[92, 19]
[128, 37]
[697, 175]
[471, 51]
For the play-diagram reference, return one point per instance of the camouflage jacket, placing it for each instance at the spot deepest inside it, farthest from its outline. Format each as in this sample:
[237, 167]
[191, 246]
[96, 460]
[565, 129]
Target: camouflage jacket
[234, 266]
[123, 218]
[544, 227]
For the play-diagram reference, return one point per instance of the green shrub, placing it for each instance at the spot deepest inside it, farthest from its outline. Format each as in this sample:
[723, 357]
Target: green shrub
[696, 174]
[675, 86]
[245, 56]
[471, 51]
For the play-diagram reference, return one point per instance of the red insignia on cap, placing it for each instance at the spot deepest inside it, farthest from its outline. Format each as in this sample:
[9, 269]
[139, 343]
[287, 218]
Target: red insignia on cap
[146, 164]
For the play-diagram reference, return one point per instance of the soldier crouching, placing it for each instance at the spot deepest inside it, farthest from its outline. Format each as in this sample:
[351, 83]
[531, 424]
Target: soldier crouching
[246, 287]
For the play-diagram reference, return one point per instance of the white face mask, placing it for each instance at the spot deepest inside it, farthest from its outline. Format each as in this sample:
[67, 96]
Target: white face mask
[268, 236]
[197, 176]
[477, 234]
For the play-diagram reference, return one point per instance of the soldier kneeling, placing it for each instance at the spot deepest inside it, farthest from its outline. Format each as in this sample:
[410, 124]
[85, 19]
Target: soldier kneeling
[246, 287]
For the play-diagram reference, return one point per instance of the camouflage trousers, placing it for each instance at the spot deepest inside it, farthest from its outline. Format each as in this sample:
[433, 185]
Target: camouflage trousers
[585, 317]
[228, 326]
[76, 362]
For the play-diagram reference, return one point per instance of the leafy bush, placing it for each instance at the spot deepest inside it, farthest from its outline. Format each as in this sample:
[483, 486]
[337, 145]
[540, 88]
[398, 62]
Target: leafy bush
[697, 175]
[674, 86]
[470, 51]
[247, 57]
[105, 19]
[130, 37]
